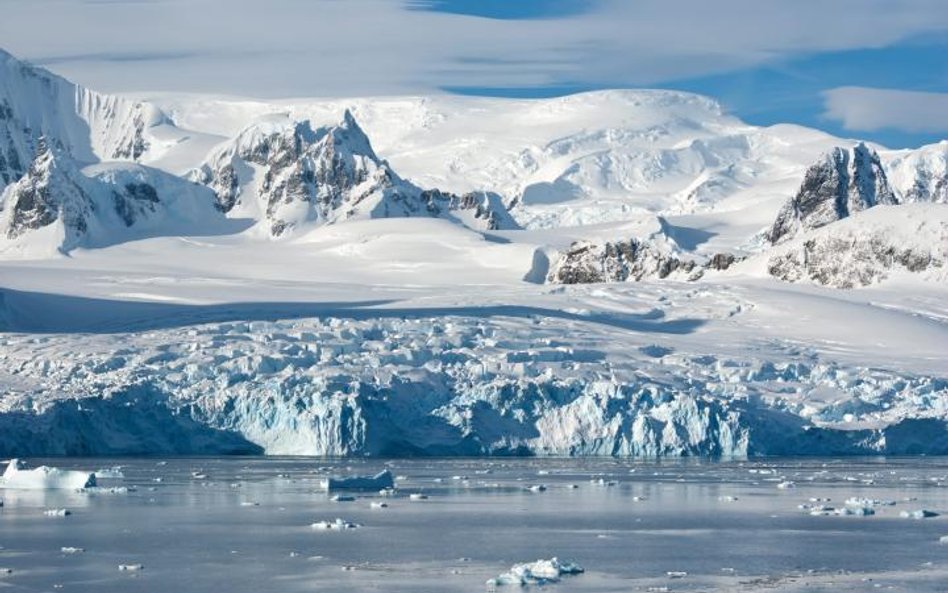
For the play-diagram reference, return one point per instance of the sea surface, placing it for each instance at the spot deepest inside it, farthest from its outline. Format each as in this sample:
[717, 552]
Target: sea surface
[245, 524]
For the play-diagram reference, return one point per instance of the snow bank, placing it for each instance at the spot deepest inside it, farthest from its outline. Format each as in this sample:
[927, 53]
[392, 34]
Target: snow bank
[44, 478]
[379, 481]
[540, 572]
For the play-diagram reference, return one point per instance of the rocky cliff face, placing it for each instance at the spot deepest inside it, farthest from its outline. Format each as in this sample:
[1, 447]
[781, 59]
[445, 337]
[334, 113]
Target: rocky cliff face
[86, 125]
[289, 174]
[842, 183]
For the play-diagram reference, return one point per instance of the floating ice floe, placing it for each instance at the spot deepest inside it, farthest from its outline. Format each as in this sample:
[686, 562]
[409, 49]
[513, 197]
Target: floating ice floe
[869, 502]
[919, 514]
[111, 473]
[846, 511]
[57, 512]
[379, 481]
[131, 567]
[44, 478]
[540, 572]
[337, 525]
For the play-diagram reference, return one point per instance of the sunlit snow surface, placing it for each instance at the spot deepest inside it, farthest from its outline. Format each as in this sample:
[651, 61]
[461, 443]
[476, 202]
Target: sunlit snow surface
[246, 526]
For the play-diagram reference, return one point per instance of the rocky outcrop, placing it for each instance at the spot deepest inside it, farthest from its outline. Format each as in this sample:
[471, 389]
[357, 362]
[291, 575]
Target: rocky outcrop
[842, 183]
[289, 174]
[633, 260]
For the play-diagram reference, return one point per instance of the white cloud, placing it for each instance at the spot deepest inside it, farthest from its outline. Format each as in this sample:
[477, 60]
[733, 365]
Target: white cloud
[869, 110]
[349, 47]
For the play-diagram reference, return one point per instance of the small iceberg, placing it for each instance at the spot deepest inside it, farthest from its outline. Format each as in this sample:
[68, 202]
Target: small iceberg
[131, 567]
[380, 481]
[44, 478]
[111, 473]
[72, 550]
[919, 514]
[540, 572]
[337, 525]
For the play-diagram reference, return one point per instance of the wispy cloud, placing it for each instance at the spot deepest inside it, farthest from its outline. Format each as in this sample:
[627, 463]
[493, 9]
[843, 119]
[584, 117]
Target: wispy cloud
[349, 47]
[864, 109]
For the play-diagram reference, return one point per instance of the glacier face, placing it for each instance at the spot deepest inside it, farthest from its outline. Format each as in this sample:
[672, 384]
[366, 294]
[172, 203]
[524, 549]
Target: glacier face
[404, 383]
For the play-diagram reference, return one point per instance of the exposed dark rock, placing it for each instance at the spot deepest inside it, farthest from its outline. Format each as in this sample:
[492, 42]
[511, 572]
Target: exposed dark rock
[842, 183]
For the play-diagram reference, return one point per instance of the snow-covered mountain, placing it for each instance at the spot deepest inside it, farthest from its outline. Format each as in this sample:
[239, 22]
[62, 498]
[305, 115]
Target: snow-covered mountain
[56, 206]
[610, 273]
[289, 175]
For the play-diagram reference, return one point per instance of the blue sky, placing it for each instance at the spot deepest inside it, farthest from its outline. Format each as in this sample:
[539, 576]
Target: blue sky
[872, 69]
[787, 90]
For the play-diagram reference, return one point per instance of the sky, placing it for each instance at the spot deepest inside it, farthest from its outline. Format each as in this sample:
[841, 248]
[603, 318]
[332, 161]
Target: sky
[869, 69]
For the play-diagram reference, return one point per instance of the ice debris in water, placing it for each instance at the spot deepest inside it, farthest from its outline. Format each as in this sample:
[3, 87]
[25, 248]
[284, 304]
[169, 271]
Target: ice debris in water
[540, 572]
[919, 514]
[111, 473]
[869, 502]
[337, 525]
[131, 567]
[379, 481]
[44, 478]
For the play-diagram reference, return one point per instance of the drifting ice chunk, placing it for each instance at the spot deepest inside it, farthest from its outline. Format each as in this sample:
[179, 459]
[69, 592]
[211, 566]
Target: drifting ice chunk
[112, 473]
[337, 525]
[540, 572]
[379, 481]
[44, 478]
[919, 514]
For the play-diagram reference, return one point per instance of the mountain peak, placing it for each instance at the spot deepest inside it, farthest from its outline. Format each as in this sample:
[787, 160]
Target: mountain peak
[842, 182]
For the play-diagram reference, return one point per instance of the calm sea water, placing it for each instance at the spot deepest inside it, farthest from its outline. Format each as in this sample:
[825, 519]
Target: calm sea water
[244, 524]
